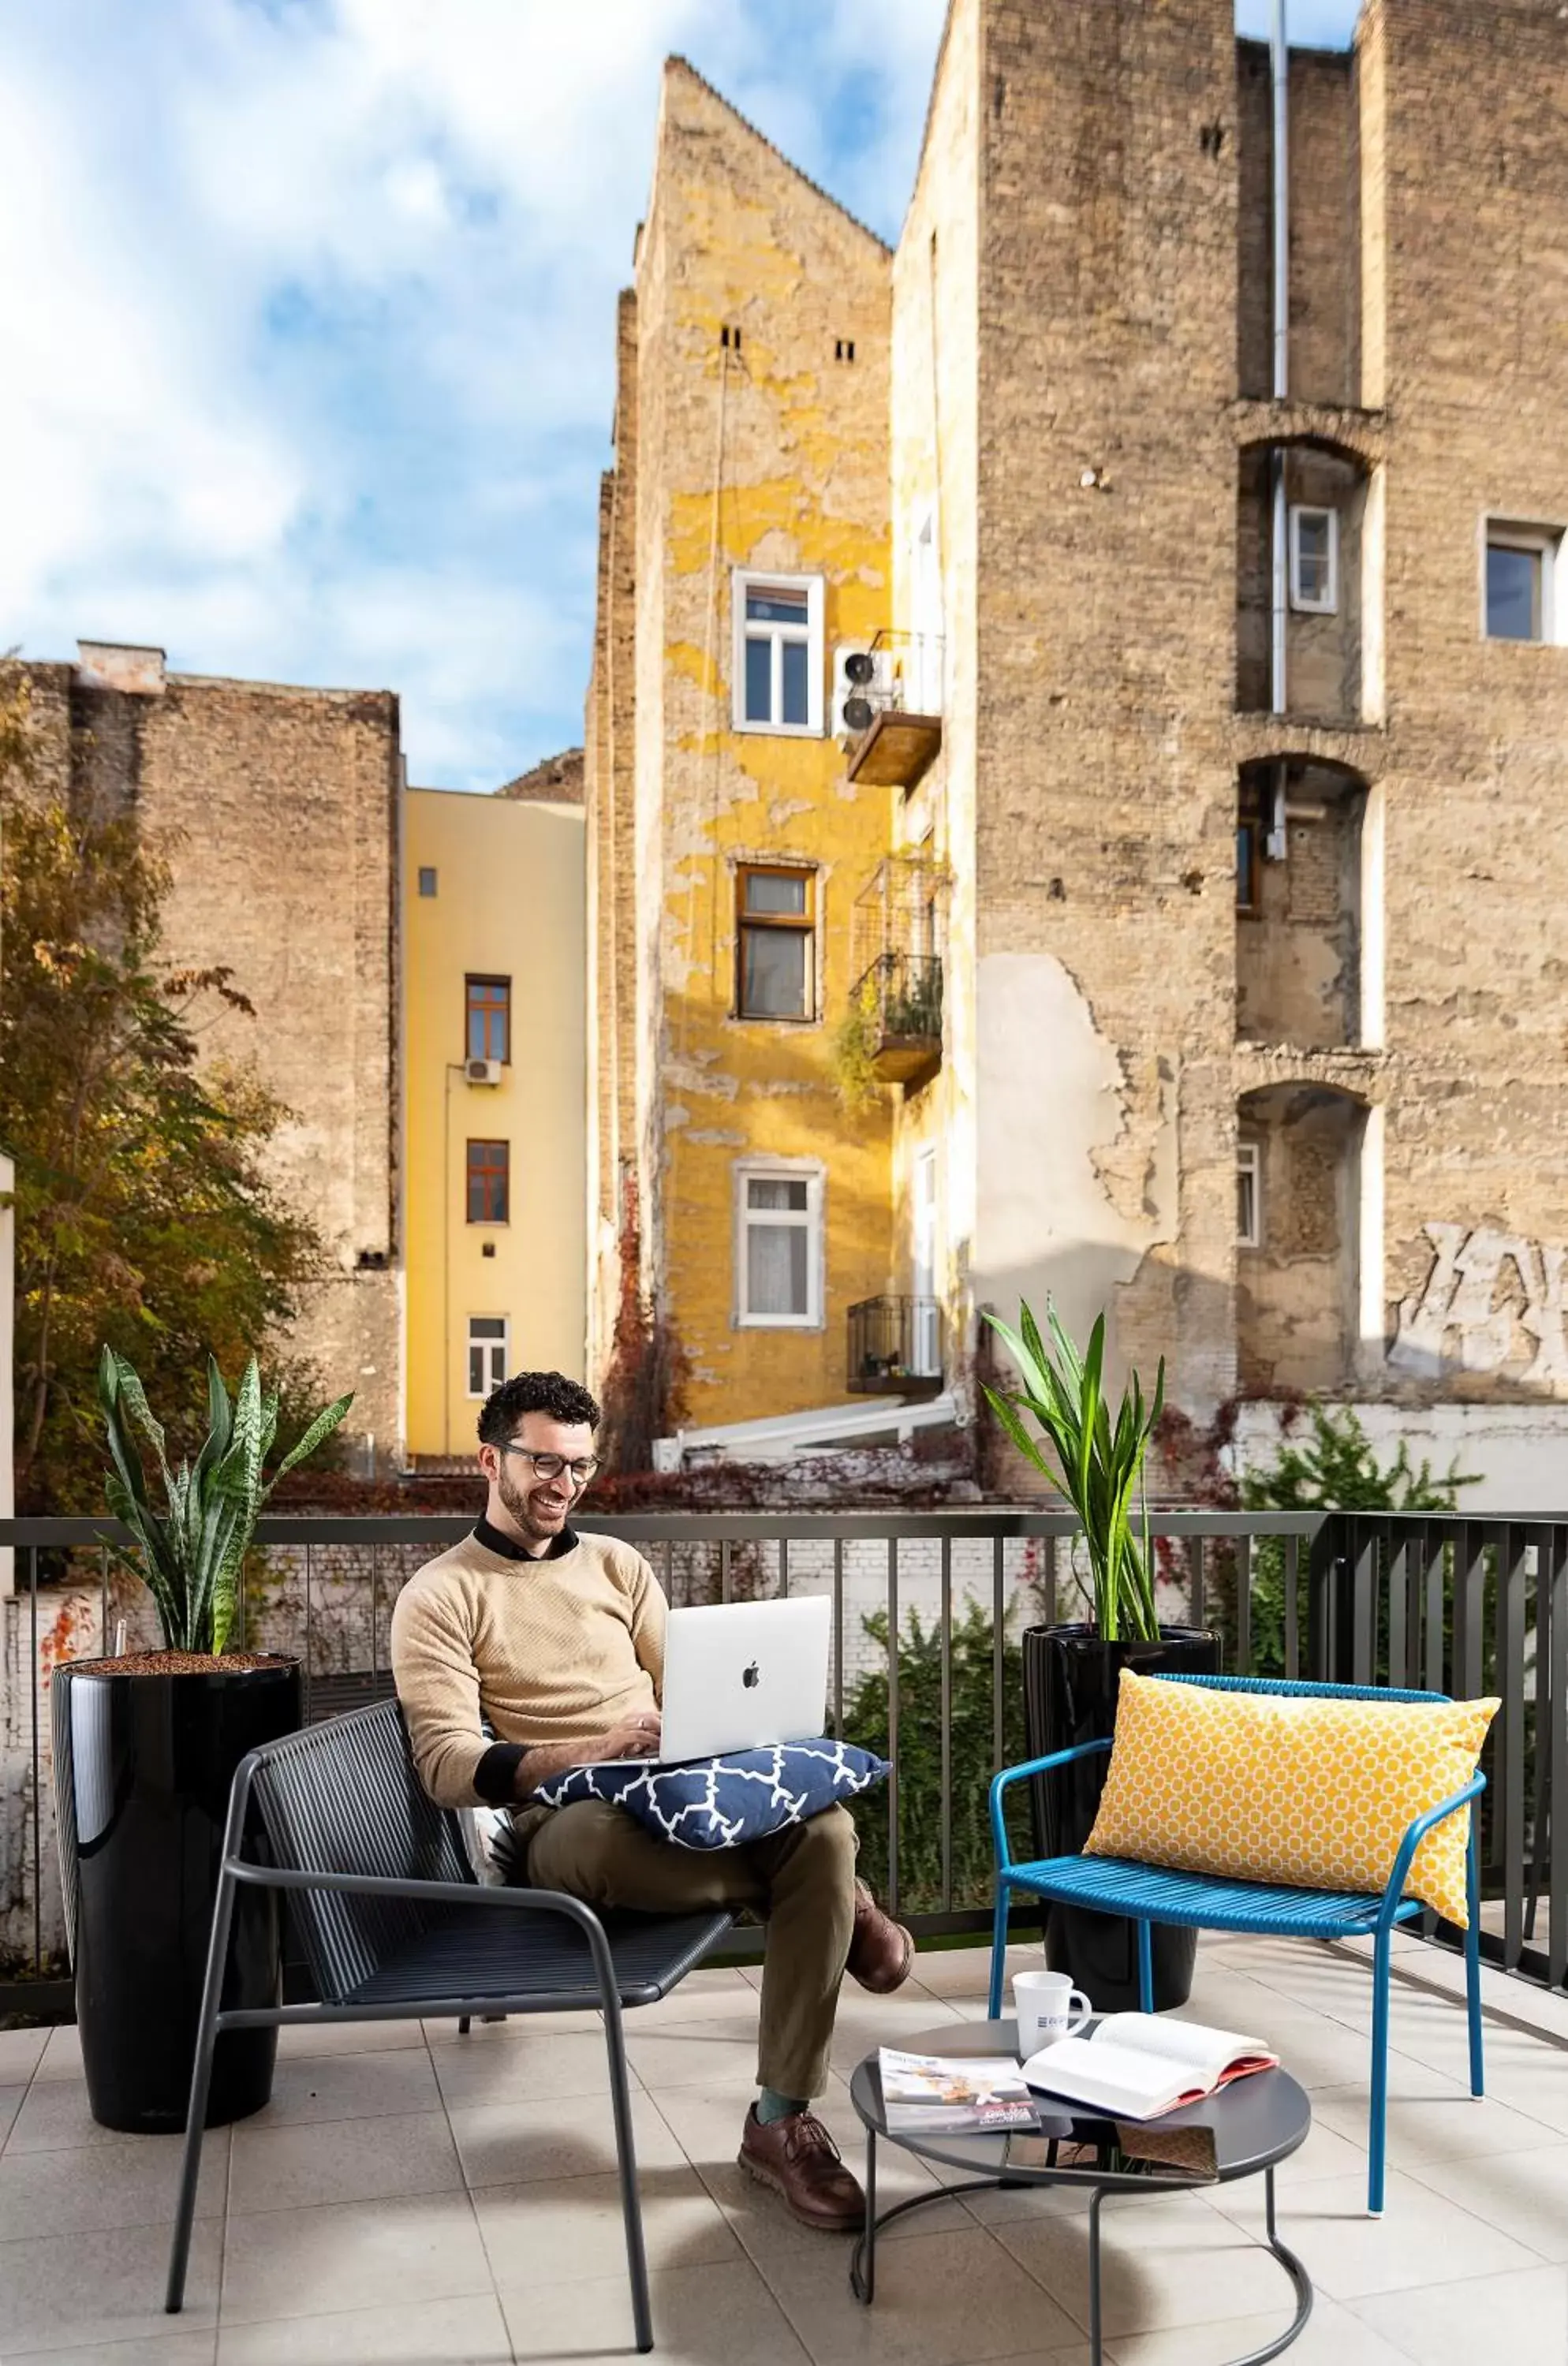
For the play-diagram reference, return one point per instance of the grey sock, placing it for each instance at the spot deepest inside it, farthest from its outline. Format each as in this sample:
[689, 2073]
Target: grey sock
[771, 2105]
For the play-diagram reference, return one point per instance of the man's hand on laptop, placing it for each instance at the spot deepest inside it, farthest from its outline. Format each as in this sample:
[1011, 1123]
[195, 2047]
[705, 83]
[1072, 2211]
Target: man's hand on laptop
[634, 1737]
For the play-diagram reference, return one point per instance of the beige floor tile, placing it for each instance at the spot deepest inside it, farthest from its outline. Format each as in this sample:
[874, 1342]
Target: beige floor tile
[466, 2332]
[158, 2349]
[533, 2068]
[954, 1972]
[62, 2056]
[572, 2231]
[1333, 2336]
[718, 2315]
[350, 2255]
[1523, 2192]
[348, 2037]
[503, 2032]
[1421, 2238]
[10, 2104]
[55, 2118]
[341, 2161]
[1162, 2262]
[351, 2086]
[126, 2181]
[769, 2233]
[944, 2301]
[514, 2143]
[700, 2054]
[1521, 2318]
[20, 2052]
[865, 2022]
[48, 2302]
[1446, 2121]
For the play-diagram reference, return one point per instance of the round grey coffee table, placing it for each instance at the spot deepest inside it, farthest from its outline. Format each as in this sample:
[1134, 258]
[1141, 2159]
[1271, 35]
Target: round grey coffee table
[1249, 2127]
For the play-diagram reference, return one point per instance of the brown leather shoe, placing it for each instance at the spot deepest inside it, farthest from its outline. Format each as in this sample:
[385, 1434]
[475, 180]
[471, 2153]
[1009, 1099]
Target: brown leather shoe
[882, 1953]
[799, 2160]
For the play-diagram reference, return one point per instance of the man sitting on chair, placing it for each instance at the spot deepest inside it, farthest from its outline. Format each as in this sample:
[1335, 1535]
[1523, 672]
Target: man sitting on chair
[555, 1639]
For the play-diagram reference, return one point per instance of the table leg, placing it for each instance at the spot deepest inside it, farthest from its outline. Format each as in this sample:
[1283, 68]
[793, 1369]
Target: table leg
[863, 2267]
[1096, 2351]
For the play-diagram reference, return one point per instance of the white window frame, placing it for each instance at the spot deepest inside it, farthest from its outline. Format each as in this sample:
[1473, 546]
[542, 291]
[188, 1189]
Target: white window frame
[1250, 1162]
[812, 1172]
[1329, 605]
[488, 1347]
[762, 579]
[1546, 543]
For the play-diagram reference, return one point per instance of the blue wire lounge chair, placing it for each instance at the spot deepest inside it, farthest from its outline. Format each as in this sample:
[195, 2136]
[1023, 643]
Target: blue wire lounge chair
[1150, 1894]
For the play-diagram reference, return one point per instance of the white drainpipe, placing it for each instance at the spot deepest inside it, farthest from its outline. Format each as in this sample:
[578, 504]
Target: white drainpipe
[1280, 86]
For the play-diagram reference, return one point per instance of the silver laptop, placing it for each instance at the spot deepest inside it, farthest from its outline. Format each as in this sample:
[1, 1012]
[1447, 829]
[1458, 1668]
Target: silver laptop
[739, 1675]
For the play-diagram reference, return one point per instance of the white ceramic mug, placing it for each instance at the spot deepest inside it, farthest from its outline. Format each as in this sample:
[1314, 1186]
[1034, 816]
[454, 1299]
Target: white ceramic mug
[1044, 2003]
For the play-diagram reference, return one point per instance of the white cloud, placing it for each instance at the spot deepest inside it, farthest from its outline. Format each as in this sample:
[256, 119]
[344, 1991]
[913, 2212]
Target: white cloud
[309, 319]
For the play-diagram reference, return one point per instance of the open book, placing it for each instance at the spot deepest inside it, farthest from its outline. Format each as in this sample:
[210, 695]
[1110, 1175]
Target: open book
[1134, 2066]
[932, 2094]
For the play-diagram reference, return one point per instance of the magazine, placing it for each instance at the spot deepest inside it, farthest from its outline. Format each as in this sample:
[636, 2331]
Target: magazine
[935, 2094]
[1134, 2066]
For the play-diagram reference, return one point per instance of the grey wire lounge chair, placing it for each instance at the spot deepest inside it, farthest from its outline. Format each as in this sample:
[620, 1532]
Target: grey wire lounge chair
[396, 1927]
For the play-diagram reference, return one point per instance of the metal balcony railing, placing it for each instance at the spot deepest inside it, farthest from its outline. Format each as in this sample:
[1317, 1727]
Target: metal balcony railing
[895, 1346]
[1427, 1601]
[901, 1000]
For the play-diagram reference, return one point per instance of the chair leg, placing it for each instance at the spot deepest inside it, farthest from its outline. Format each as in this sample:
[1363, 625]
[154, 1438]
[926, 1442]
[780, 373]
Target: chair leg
[1472, 1958]
[1146, 1966]
[998, 1949]
[200, 2086]
[463, 2025]
[625, 2161]
[1378, 2122]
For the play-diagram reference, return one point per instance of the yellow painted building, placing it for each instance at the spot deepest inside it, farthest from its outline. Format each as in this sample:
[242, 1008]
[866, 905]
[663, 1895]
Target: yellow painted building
[494, 958]
[733, 858]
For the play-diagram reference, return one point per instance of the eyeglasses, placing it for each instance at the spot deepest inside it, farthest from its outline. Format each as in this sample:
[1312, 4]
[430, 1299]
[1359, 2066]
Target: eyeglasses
[550, 1466]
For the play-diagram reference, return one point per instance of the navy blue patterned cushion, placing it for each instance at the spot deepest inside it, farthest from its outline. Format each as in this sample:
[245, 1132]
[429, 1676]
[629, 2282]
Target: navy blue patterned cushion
[723, 1802]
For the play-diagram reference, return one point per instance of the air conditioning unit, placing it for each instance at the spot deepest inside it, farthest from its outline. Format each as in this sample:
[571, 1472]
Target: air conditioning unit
[482, 1071]
[860, 682]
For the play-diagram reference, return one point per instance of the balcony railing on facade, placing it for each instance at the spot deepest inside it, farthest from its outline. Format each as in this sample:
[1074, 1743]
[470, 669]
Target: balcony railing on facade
[1429, 1602]
[895, 1348]
[892, 708]
[899, 1001]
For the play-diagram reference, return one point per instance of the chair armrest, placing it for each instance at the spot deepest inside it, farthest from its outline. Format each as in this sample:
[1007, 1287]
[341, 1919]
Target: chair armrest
[1413, 1840]
[427, 1893]
[1017, 1775]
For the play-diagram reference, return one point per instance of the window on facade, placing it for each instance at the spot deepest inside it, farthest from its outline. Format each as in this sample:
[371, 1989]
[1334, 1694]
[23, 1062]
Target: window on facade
[1314, 559]
[488, 1343]
[775, 931]
[778, 655]
[1249, 1195]
[778, 1246]
[427, 879]
[489, 1178]
[487, 1021]
[1520, 568]
[1248, 859]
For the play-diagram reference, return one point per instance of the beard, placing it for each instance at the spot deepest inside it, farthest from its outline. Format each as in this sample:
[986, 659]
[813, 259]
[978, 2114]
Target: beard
[518, 1504]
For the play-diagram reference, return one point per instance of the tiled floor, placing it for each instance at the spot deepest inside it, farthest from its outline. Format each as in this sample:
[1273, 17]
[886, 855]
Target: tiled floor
[416, 2199]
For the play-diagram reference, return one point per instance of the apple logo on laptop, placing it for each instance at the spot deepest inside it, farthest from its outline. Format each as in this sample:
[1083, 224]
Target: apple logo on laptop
[751, 1677]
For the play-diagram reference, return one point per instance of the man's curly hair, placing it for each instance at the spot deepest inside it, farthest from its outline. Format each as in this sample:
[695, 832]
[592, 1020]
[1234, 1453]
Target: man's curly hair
[549, 1392]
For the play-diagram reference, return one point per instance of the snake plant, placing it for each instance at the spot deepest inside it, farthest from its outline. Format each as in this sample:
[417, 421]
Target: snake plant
[1099, 1462]
[189, 1552]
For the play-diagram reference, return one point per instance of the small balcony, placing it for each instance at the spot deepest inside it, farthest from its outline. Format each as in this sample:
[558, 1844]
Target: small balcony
[901, 1001]
[892, 708]
[895, 1348]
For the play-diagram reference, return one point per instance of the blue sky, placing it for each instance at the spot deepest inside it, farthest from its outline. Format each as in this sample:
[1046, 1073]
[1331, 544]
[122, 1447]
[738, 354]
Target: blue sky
[309, 318]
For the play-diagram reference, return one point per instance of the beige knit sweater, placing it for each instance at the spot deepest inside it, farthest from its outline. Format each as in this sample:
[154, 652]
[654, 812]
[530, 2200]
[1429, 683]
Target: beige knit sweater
[552, 1651]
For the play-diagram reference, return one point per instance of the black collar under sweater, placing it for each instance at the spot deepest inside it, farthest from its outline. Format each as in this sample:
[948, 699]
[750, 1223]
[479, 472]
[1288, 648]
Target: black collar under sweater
[495, 1541]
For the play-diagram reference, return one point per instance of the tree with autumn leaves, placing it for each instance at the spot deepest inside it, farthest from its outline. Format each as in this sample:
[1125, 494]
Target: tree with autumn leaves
[146, 1216]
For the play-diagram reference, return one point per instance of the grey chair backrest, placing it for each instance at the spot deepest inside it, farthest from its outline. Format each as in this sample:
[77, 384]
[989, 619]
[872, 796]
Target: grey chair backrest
[343, 1796]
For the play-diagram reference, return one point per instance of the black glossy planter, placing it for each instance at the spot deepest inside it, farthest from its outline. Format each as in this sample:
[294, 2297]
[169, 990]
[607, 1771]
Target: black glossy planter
[1070, 1678]
[142, 1767]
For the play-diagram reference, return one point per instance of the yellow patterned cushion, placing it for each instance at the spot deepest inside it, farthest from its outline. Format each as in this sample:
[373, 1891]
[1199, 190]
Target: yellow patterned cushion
[1311, 1793]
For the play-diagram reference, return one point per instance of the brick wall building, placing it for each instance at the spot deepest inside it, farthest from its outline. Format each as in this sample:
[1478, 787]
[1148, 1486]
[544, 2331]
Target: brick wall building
[1240, 861]
[280, 808]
